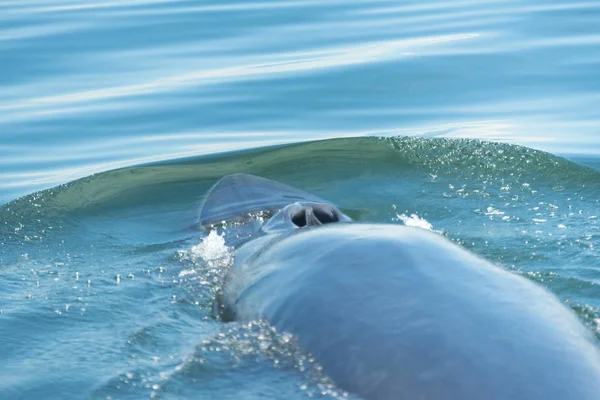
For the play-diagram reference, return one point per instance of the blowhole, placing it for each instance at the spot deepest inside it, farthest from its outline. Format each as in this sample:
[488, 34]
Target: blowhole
[299, 218]
[314, 215]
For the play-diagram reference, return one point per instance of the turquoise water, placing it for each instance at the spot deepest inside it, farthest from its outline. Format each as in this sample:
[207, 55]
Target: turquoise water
[108, 284]
[95, 85]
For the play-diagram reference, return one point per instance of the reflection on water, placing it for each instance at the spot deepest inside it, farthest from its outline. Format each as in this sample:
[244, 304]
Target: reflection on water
[92, 86]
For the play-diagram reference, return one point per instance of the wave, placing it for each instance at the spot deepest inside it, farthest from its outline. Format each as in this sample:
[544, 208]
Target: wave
[473, 159]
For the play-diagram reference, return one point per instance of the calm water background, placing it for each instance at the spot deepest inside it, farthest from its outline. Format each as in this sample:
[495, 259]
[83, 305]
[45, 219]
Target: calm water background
[107, 283]
[94, 85]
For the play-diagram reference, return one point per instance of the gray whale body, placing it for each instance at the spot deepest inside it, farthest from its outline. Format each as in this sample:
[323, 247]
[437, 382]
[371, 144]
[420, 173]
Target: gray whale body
[393, 312]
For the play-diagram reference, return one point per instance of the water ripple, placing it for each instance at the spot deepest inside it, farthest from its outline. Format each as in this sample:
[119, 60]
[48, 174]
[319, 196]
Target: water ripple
[293, 62]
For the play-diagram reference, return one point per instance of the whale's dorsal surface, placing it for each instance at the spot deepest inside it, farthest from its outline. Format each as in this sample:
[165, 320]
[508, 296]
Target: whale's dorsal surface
[237, 195]
[392, 311]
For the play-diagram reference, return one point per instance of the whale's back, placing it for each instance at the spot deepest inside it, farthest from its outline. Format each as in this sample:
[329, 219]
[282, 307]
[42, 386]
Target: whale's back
[392, 312]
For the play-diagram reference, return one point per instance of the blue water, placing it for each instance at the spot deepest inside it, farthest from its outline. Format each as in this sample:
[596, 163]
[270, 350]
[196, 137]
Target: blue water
[107, 284]
[91, 86]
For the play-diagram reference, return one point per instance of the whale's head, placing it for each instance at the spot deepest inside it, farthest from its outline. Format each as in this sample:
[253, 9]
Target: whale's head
[301, 215]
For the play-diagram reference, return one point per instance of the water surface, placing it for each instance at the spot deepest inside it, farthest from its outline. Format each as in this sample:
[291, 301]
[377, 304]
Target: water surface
[108, 283]
[91, 86]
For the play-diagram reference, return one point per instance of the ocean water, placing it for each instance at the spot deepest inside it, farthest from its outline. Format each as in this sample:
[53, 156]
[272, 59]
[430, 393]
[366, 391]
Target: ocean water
[93, 85]
[476, 119]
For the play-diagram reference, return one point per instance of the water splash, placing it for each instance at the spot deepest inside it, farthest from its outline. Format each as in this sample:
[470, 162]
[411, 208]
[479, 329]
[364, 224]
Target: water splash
[416, 221]
[207, 264]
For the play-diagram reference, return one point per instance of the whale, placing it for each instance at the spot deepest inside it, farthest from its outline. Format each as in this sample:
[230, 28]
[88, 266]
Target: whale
[396, 312]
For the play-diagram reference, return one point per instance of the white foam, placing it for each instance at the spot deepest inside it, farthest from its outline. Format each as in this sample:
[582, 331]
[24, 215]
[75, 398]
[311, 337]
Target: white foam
[211, 248]
[493, 211]
[211, 254]
[415, 221]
